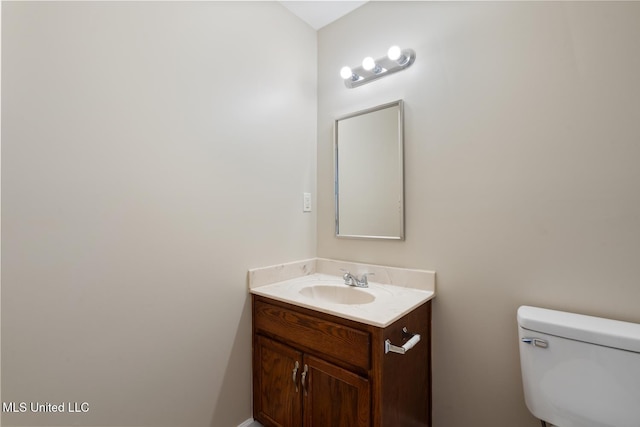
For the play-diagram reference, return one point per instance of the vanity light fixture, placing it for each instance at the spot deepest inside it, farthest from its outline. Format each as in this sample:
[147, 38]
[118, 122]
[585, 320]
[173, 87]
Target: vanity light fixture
[396, 60]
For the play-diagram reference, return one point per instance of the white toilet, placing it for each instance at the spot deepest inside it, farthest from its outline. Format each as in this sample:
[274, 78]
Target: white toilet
[579, 371]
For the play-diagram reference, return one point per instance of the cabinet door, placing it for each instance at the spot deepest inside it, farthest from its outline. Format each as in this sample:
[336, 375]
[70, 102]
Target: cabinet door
[334, 396]
[277, 394]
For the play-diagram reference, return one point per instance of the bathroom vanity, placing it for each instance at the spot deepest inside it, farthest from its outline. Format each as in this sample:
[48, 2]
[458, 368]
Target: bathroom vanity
[327, 354]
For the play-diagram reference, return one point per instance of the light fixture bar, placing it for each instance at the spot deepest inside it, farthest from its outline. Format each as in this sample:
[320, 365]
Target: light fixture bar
[382, 67]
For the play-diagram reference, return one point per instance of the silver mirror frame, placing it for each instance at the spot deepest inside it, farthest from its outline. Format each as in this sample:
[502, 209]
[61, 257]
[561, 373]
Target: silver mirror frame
[401, 234]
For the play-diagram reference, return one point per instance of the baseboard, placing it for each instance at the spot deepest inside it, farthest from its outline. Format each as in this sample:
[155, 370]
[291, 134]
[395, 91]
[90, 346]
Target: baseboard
[250, 423]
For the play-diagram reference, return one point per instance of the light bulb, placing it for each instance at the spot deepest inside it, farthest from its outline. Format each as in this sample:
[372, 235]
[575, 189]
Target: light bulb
[368, 63]
[394, 53]
[346, 73]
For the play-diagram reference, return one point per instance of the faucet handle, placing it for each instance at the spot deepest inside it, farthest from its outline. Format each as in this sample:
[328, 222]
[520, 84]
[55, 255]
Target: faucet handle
[364, 277]
[348, 277]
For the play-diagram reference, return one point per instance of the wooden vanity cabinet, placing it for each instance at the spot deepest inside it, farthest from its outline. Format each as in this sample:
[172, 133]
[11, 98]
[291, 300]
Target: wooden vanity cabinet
[315, 369]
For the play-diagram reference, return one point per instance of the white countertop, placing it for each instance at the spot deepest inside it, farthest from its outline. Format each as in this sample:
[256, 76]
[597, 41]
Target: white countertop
[390, 303]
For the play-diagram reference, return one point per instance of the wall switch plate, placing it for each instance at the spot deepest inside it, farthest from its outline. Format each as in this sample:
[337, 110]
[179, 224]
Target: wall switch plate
[306, 205]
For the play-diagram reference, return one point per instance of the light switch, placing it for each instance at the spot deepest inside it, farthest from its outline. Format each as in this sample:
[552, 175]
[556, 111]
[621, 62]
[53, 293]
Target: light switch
[306, 205]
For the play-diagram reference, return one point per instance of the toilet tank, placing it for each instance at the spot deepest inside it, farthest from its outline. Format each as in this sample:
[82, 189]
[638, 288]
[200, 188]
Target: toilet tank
[579, 371]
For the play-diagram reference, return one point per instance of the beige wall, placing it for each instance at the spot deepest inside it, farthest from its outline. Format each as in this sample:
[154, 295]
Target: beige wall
[151, 154]
[522, 179]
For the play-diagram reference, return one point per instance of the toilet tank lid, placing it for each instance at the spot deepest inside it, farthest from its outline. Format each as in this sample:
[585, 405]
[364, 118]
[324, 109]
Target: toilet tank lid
[595, 330]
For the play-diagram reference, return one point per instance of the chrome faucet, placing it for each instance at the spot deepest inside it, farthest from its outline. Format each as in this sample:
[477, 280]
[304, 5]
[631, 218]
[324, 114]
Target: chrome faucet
[352, 280]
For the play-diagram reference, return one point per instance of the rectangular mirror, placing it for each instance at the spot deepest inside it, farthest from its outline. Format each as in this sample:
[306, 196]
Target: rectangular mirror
[369, 177]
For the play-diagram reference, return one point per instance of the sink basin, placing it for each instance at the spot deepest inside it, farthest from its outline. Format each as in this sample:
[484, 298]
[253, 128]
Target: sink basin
[337, 294]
